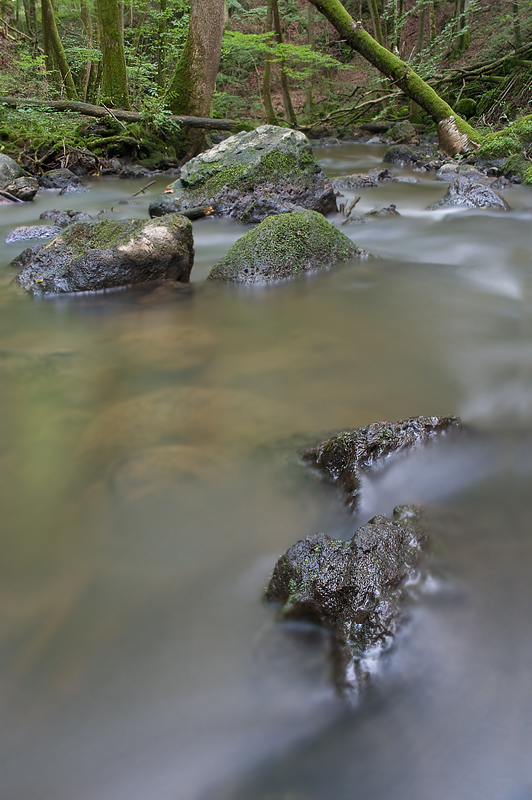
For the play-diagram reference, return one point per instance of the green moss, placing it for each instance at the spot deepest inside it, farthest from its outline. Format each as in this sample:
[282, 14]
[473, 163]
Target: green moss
[518, 166]
[510, 141]
[283, 246]
[106, 234]
[466, 107]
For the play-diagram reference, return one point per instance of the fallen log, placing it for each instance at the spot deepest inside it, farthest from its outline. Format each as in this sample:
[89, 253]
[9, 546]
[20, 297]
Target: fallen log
[90, 110]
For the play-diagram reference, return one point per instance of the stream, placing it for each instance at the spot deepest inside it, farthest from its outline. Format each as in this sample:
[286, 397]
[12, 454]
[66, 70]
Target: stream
[149, 482]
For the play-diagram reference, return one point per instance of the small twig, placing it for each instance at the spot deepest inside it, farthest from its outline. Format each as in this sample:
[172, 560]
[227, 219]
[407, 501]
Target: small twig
[141, 191]
[10, 196]
[113, 116]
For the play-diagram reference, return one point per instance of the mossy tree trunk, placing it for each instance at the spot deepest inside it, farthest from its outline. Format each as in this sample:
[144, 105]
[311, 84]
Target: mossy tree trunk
[400, 73]
[461, 13]
[86, 20]
[376, 21]
[161, 46]
[114, 79]
[192, 86]
[311, 42]
[54, 50]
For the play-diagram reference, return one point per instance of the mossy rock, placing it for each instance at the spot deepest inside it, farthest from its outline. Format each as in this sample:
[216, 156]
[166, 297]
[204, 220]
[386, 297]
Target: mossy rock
[512, 140]
[90, 256]
[284, 246]
[236, 172]
[403, 132]
[9, 171]
[517, 169]
[466, 107]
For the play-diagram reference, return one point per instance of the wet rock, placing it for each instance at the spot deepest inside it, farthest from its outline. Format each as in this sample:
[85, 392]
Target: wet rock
[354, 589]
[26, 232]
[283, 246]
[449, 173]
[267, 206]
[463, 192]
[89, 256]
[23, 188]
[403, 132]
[9, 171]
[363, 180]
[346, 457]
[384, 211]
[401, 154]
[64, 218]
[60, 179]
[234, 174]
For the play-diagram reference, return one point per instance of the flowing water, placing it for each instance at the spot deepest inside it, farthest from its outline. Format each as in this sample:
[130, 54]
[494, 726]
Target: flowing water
[148, 482]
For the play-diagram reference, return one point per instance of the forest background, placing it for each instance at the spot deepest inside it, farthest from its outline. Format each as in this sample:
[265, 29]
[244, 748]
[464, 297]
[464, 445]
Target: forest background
[280, 61]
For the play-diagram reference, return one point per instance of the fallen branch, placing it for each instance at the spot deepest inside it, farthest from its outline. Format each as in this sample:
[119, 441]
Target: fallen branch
[11, 197]
[119, 114]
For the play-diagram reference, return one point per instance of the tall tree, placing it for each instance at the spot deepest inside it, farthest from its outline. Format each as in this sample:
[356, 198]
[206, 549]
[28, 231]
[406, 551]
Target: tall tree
[54, 50]
[114, 78]
[402, 75]
[287, 100]
[271, 117]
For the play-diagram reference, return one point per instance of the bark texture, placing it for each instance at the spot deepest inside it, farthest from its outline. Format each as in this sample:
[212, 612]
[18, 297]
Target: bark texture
[114, 81]
[53, 47]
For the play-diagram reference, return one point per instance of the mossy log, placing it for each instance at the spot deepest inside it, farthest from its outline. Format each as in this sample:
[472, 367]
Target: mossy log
[400, 73]
[90, 110]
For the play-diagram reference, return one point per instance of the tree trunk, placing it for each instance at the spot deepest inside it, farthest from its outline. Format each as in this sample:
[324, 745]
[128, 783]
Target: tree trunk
[194, 80]
[414, 108]
[114, 79]
[518, 39]
[376, 21]
[161, 47]
[461, 12]
[53, 47]
[287, 100]
[311, 41]
[86, 19]
[271, 117]
[390, 65]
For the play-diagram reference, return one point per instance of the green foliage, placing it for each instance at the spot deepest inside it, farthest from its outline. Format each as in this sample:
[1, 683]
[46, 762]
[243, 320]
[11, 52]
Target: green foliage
[513, 140]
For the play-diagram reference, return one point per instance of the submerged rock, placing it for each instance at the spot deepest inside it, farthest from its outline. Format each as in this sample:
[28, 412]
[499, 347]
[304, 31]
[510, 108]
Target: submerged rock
[354, 589]
[463, 192]
[449, 173]
[64, 218]
[364, 180]
[283, 246]
[384, 211]
[9, 171]
[88, 256]
[234, 174]
[346, 457]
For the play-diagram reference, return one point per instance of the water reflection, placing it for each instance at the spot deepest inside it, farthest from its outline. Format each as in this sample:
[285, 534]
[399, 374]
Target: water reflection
[148, 484]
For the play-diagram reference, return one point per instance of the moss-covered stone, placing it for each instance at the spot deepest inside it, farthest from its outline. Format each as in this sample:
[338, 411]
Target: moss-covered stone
[89, 256]
[512, 140]
[232, 175]
[466, 107]
[283, 246]
[518, 169]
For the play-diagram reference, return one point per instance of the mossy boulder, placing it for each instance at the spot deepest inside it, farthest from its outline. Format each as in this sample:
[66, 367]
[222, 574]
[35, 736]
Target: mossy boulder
[355, 589]
[89, 256]
[9, 171]
[345, 458]
[466, 107]
[283, 246]
[235, 173]
[517, 169]
[403, 132]
[401, 154]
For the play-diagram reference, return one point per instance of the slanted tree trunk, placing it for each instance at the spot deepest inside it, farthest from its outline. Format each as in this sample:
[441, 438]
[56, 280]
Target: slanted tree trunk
[194, 80]
[398, 71]
[287, 100]
[271, 117]
[54, 50]
[114, 79]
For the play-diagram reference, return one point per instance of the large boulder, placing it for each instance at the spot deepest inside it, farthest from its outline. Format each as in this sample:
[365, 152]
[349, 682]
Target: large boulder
[9, 171]
[345, 458]
[469, 194]
[89, 256]
[22, 188]
[234, 174]
[283, 246]
[354, 589]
